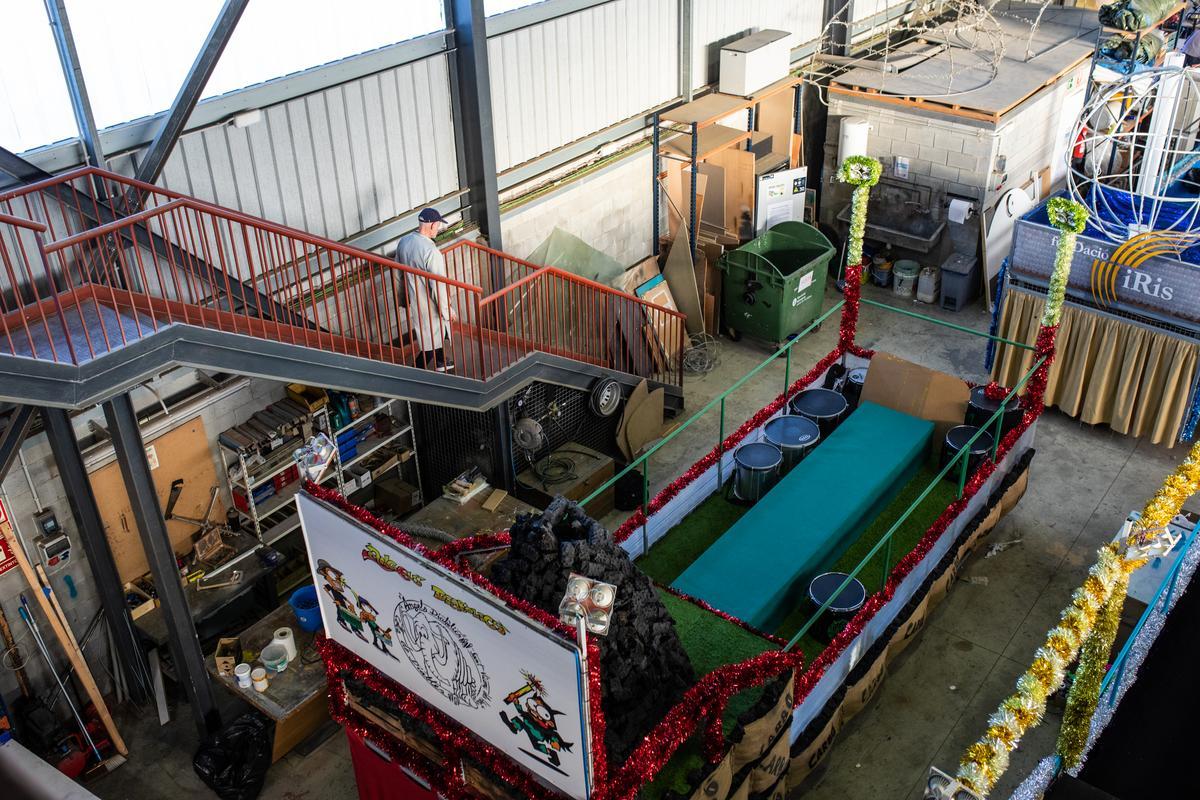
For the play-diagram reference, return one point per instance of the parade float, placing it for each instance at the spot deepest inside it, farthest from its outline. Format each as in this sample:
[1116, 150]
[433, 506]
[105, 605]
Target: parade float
[668, 658]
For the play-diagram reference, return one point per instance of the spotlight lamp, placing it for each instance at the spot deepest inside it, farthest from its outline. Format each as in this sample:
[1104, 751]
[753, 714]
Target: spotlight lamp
[940, 786]
[589, 600]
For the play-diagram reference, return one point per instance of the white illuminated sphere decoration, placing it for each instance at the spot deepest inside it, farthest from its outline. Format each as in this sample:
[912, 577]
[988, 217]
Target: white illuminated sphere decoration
[1140, 163]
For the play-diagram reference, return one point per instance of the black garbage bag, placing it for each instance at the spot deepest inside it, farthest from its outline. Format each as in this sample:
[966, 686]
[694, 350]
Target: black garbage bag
[234, 761]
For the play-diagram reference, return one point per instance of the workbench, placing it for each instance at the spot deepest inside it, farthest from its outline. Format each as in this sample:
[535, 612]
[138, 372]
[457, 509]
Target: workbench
[470, 518]
[589, 470]
[296, 699]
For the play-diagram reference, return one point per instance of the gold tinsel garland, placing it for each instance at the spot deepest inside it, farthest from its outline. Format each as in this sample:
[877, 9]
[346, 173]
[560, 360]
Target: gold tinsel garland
[1090, 622]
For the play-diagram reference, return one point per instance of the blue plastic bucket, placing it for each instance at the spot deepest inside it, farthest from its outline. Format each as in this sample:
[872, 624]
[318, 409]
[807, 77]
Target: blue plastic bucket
[308, 611]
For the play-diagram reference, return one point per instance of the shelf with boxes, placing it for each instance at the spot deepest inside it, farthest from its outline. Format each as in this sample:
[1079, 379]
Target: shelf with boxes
[263, 478]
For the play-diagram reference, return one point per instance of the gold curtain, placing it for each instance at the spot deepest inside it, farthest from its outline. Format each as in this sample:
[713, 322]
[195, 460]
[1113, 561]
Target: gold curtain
[1131, 378]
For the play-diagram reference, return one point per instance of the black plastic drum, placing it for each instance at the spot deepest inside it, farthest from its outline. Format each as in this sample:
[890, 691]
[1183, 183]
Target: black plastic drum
[844, 606]
[956, 439]
[627, 493]
[980, 409]
[756, 466]
[795, 436]
[853, 386]
[825, 407]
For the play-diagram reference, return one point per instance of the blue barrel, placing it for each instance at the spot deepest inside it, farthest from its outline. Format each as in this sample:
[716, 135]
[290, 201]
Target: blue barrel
[795, 436]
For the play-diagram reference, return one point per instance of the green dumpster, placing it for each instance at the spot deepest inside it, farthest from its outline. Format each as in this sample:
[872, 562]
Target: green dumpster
[774, 285]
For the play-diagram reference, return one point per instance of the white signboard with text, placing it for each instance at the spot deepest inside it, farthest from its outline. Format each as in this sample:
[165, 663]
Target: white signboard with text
[511, 681]
[779, 197]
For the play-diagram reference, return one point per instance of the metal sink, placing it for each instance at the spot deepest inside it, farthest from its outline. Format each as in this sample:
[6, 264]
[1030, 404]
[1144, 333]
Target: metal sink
[902, 216]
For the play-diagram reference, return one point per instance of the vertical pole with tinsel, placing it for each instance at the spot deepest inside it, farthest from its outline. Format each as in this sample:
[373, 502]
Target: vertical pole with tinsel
[861, 172]
[1070, 218]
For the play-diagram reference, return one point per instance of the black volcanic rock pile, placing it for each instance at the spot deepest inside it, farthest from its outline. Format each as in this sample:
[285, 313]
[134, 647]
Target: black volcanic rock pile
[644, 668]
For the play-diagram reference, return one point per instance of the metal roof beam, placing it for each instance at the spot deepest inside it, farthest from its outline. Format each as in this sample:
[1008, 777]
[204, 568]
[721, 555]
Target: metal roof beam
[81, 106]
[156, 155]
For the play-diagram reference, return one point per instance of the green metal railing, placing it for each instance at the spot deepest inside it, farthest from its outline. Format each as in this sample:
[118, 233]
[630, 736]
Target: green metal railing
[961, 459]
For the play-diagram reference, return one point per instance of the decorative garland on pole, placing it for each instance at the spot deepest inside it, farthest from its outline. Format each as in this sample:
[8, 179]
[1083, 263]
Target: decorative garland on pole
[1088, 623]
[861, 172]
[986, 760]
[1093, 663]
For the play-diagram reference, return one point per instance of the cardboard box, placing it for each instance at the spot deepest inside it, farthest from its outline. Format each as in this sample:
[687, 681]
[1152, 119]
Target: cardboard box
[918, 391]
[396, 495]
[388, 463]
[146, 604]
[228, 654]
[311, 397]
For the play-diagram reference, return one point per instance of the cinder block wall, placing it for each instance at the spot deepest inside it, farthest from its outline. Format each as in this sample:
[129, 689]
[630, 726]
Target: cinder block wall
[229, 410]
[610, 209]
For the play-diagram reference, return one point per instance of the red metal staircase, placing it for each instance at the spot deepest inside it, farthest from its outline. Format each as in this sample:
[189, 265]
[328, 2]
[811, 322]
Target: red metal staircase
[92, 263]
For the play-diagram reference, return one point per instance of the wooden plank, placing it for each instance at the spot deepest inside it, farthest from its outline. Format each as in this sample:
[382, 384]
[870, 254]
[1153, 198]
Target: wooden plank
[739, 185]
[712, 107]
[681, 277]
[710, 140]
[905, 102]
[776, 118]
[183, 452]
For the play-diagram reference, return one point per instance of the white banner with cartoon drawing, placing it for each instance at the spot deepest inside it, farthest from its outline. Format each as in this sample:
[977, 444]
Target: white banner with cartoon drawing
[512, 682]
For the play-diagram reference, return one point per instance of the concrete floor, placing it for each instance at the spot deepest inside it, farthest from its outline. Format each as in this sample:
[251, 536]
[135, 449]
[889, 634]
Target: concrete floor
[939, 692]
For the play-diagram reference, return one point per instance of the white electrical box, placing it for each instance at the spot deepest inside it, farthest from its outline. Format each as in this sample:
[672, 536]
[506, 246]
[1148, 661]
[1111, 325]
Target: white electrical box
[754, 62]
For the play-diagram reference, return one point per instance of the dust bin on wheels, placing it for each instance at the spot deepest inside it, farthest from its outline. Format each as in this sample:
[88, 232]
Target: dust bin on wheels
[774, 284]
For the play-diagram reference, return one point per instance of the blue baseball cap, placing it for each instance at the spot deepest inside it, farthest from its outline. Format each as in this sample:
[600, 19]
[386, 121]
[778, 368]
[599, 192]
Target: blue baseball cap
[430, 215]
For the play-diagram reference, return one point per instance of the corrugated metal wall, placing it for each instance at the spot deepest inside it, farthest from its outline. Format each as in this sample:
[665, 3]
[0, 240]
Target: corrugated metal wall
[333, 163]
[559, 81]
[717, 22]
[864, 9]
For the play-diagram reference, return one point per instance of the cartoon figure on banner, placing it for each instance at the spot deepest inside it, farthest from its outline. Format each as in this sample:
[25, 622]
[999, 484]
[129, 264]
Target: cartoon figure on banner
[536, 718]
[441, 654]
[335, 583]
[380, 637]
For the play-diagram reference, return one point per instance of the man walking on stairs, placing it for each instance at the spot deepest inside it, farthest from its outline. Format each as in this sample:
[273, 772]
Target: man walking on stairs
[426, 302]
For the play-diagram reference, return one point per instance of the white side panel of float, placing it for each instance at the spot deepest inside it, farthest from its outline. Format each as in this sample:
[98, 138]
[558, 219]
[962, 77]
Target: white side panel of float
[837, 672]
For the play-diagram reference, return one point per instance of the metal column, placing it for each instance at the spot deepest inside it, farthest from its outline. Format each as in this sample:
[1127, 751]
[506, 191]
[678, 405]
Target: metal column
[61, 436]
[686, 35]
[60, 26]
[181, 630]
[475, 123]
[189, 93]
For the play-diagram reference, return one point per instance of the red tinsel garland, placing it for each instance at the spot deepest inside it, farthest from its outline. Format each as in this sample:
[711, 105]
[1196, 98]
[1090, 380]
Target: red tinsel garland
[599, 727]
[698, 706]
[848, 330]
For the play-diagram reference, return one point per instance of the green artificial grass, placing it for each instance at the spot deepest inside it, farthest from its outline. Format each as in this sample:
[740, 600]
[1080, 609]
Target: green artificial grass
[694, 534]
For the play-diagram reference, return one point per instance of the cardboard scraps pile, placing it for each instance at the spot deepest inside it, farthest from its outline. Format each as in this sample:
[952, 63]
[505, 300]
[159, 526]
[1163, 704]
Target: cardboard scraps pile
[642, 421]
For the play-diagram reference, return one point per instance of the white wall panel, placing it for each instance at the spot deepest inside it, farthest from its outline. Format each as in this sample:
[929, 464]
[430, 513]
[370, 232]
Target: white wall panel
[718, 22]
[335, 162]
[558, 81]
[864, 9]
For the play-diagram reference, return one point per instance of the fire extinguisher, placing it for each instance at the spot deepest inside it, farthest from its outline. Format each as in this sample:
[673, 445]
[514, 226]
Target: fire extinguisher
[1078, 151]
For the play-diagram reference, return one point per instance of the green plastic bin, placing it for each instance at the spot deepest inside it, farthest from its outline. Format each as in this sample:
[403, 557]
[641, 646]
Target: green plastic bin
[774, 285]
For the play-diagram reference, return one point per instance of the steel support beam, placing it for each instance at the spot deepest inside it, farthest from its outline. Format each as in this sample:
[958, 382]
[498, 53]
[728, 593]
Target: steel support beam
[686, 34]
[60, 26]
[181, 630]
[101, 213]
[475, 123]
[156, 155]
[61, 436]
[13, 436]
[836, 19]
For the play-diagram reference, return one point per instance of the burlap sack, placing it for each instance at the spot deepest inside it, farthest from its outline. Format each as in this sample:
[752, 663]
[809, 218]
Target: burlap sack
[862, 690]
[760, 735]
[716, 785]
[742, 792]
[808, 759]
[1014, 493]
[773, 765]
[777, 792]
[908, 630]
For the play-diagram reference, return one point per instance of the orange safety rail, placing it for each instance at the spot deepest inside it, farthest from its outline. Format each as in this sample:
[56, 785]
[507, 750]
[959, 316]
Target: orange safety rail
[162, 258]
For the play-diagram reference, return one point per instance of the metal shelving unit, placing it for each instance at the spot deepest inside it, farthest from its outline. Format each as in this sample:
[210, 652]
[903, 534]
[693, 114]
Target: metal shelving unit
[275, 518]
[692, 132]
